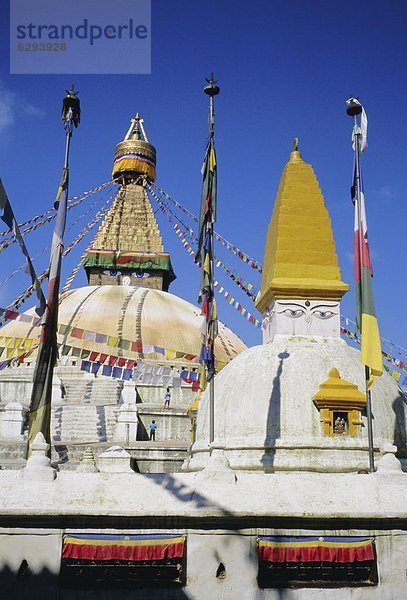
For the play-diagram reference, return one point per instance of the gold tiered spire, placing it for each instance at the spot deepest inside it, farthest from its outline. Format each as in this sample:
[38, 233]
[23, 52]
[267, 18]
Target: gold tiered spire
[134, 156]
[130, 223]
[128, 248]
[300, 259]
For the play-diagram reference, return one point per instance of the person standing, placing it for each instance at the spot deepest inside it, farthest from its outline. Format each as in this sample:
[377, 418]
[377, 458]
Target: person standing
[167, 398]
[153, 429]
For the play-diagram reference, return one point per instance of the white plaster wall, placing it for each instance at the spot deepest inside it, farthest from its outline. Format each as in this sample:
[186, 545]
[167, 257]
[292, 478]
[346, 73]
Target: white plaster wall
[205, 550]
[41, 549]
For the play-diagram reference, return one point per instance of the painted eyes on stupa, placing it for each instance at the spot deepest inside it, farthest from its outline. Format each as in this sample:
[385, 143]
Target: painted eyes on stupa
[293, 313]
[323, 314]
[115, 272]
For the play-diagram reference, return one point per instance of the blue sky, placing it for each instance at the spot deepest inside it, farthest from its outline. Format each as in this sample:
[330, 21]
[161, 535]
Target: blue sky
[285, 70]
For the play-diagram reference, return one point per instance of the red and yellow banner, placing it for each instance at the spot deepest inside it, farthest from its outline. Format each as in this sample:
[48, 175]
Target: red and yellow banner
[123, 547]
[315, 549]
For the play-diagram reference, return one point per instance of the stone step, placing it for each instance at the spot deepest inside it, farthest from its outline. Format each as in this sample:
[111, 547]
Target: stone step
[84, 423]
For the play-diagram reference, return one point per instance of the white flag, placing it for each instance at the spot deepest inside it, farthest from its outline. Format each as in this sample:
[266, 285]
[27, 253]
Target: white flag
[363, 126]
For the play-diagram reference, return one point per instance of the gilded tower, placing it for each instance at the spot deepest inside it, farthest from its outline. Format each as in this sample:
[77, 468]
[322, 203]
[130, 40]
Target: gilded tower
[301, 285]
[128, 248]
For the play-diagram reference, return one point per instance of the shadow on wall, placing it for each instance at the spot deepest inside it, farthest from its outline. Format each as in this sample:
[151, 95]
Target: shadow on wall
[138, 397]
[400, 433]
[222, 557]
[26, 585]
[273, 430]
[101, 423]
[142, 433]
[284, 594]
[184, 493]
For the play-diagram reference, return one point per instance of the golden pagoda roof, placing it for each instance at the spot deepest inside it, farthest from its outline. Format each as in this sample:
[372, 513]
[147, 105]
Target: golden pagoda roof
[300, 259]
[130, 224]
[338, 392]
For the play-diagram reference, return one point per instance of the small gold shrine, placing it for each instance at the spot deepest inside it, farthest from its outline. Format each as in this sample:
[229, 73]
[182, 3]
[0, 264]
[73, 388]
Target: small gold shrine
[340, 403]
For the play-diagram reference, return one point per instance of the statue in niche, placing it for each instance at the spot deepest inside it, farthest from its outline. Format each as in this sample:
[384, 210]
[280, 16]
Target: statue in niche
[339, 425]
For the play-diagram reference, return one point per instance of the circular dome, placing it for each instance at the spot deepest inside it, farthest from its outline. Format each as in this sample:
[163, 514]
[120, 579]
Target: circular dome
[265, 417]
[134, 314]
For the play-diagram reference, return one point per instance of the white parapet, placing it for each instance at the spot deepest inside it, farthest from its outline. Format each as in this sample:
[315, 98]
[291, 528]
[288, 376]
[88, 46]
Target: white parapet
[12, 423]
[38, 466]
[114, 460]
[127, 421]
[128, 393]
[56, 390]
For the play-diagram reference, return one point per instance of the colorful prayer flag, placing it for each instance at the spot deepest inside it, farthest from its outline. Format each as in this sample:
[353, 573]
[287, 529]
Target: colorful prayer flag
[40, 404]
[204, 258]
[371, 351]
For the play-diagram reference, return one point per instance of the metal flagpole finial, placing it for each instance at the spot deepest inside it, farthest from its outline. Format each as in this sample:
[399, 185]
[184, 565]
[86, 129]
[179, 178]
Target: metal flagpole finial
[353, 107]
[211, 89]
[71, 109]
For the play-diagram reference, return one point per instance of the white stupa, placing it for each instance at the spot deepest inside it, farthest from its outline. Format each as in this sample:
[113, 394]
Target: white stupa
[270, 412]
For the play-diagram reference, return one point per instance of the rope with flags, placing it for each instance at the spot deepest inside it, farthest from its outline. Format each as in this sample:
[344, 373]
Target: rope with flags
[72, 202]
[77, 220]
[7, 215]
[76, 269]
[17, 302]
[39, 223]
[101, 214]
[246, 286]
[243, 256]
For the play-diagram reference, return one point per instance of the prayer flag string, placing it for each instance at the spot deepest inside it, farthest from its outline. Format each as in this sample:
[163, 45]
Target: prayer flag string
[73, 200]
[11, 239]
[21, 267]
[245, 285]
[17, 302]
[254, 264]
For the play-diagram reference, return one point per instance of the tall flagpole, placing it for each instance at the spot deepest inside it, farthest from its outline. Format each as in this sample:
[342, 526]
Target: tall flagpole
[204, 257]
[354, 109]
[211, 90]
[39, 420]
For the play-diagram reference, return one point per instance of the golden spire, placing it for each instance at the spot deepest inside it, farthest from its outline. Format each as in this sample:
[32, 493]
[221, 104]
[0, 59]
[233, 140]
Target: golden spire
[128, 248]
[130, 224]
[135, 156]
[300, 259]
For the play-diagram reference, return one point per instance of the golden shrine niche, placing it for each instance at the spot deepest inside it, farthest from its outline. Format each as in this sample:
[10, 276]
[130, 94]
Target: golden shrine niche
[341, 404]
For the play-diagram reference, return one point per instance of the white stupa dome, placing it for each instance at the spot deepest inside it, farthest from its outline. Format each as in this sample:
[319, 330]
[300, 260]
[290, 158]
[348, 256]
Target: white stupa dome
[265, 417]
